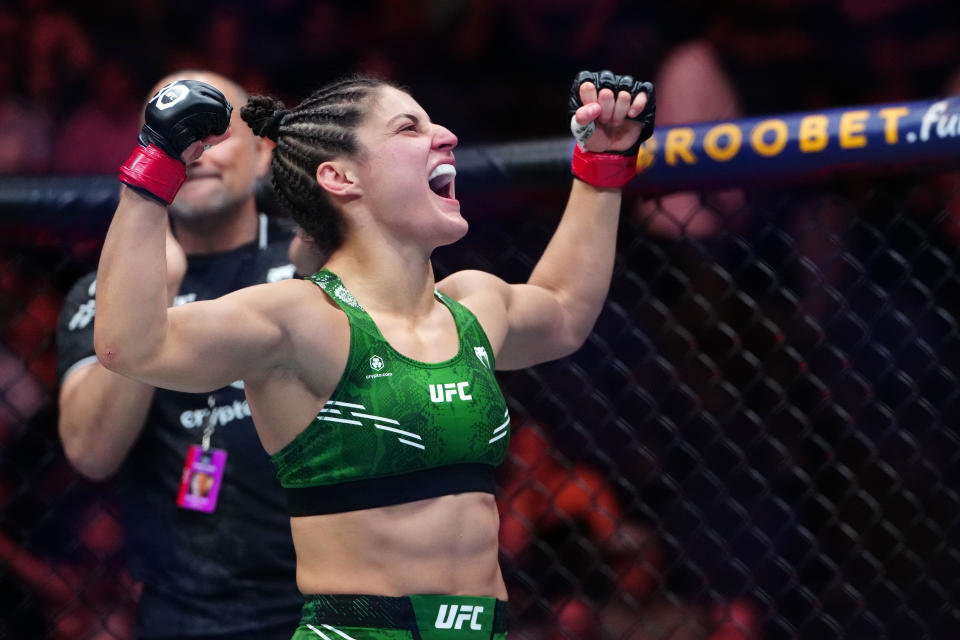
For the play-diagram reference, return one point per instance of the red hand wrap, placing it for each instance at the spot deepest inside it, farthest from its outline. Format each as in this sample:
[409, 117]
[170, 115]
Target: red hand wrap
[603, 169]
[152, 170]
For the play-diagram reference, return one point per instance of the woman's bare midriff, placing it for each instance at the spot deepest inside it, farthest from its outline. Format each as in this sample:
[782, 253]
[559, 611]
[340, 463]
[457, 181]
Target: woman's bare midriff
[443, 545]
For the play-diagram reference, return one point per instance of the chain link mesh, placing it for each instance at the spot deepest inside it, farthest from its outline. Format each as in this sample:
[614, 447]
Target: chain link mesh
[758, 441]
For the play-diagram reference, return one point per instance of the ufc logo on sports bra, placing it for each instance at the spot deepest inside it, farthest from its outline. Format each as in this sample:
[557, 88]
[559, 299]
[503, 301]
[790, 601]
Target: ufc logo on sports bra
[447, 392]
[453, 616]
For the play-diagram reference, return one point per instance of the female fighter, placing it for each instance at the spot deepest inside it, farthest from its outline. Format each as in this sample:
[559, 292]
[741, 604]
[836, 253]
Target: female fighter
[371, 384]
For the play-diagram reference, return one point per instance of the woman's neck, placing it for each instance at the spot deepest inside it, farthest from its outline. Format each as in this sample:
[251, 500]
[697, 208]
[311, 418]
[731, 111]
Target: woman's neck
[386, 281]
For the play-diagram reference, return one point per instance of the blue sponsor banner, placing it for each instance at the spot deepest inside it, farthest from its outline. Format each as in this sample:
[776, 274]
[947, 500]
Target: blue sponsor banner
[800, 146]
[760, 151]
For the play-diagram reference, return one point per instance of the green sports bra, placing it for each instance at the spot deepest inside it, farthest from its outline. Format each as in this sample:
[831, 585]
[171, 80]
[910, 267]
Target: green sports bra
[397, 430]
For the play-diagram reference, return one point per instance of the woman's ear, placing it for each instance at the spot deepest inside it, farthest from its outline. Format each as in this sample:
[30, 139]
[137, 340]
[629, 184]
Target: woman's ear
[337, 178]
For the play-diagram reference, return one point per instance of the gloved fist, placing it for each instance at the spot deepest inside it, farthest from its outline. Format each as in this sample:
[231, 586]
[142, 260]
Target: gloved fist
[624, 122]
[180, 114]
[609, 80]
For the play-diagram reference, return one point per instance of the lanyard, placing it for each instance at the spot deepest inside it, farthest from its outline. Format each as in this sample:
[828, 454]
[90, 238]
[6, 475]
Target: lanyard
[202, 471]
[209, 426]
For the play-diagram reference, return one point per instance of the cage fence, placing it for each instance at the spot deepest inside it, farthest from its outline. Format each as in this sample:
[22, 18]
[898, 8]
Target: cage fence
[758, 441]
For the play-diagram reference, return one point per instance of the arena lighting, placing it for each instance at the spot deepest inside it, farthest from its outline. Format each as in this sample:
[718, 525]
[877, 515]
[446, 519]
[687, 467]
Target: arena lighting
[771, 149]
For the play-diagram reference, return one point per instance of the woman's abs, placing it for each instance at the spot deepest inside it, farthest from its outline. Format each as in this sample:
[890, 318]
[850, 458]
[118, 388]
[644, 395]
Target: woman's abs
[438, 545]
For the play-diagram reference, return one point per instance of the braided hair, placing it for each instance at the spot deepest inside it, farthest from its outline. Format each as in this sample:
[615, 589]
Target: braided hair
[319, 129]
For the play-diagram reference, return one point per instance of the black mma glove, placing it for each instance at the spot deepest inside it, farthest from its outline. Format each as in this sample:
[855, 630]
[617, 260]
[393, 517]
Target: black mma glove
[181, 113]
[614, 167]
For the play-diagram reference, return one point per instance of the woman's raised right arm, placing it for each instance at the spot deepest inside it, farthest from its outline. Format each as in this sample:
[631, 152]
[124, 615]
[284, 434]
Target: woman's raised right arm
[195, 347]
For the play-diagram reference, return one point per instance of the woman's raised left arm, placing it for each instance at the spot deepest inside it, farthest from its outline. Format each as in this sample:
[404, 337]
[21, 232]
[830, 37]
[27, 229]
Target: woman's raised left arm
[552, 314]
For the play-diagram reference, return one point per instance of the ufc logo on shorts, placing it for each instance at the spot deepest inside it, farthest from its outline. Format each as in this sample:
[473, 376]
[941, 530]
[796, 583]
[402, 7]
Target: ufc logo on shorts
[453, 616]
[447, 392]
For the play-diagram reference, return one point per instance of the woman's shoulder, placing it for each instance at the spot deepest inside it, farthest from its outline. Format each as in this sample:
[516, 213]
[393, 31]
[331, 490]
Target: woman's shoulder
[301, 311]
[484, 295]
[284, 298]
[461, 285]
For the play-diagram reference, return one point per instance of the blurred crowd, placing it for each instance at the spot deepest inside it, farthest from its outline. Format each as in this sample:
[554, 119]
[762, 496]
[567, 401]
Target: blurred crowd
[73, 78]
[73, 75]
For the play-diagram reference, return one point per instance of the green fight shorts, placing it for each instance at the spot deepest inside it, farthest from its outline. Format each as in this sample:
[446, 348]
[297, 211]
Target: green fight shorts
[421, 617]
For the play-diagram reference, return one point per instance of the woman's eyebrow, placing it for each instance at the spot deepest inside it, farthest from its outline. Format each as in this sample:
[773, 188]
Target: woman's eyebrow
[401, 116]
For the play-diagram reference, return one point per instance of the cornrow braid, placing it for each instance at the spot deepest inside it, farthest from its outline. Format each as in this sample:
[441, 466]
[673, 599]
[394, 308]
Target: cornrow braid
[322, 127]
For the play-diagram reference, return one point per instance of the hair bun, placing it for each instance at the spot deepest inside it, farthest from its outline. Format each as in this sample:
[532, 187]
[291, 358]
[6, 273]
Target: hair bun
[264, 115]
[271, 128]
